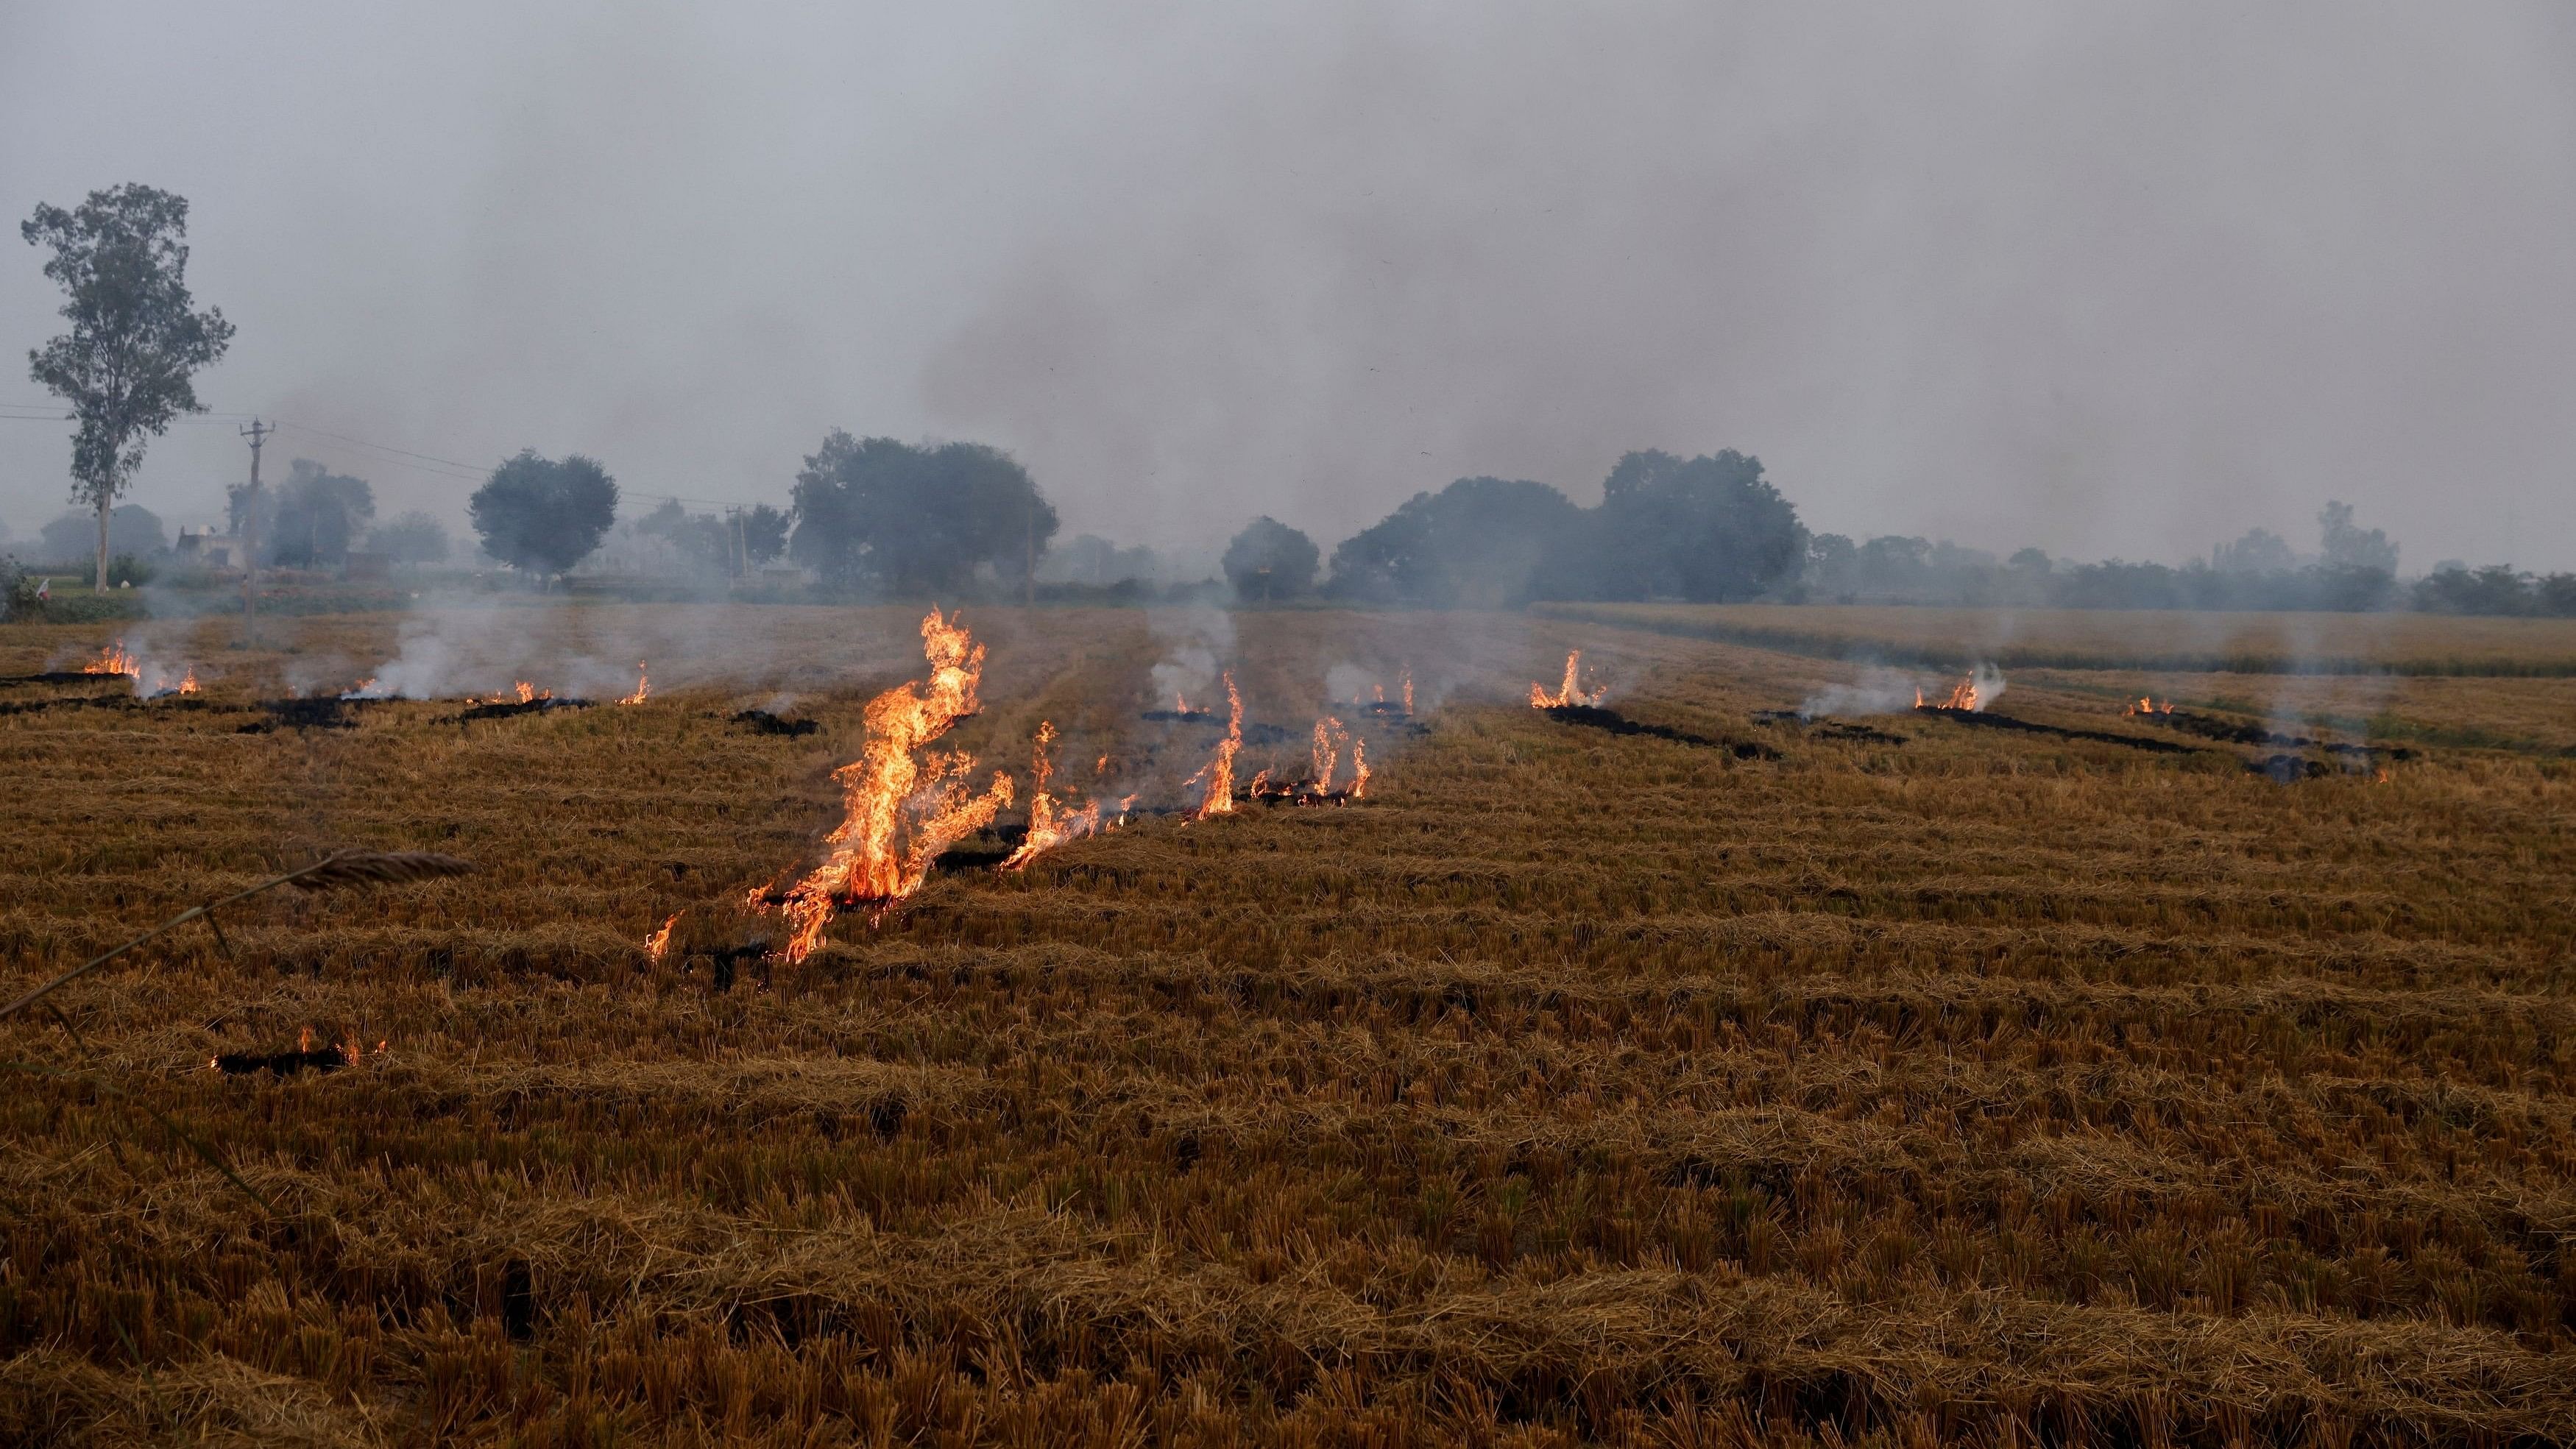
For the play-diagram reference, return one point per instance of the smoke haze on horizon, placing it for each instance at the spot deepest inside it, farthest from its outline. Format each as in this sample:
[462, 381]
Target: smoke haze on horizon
[2112, 282]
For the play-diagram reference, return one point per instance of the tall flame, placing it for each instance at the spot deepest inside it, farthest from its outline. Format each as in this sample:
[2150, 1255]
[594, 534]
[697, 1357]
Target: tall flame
[1359, 769]
[1050, 823]
[897, 823]
[1408, 692]
[643, 686]
[1329, 737]
[1962, 696]
[1567, 693]
[1219, 773]
[658, 944]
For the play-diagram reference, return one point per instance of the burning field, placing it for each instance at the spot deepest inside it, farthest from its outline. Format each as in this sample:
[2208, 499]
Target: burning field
[1419, 1036]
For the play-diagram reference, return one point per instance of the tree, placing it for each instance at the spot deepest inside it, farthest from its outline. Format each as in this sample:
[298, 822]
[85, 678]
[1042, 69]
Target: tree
[121, 259]
[702, 539]
[413, 538]
[879, 516]
[2260, 551]
[1269, 560]
[1706, 529]
[2348, 546]
[764, 533]
[1479, 543]
[542, 515]
[131, 529]
[311, 518]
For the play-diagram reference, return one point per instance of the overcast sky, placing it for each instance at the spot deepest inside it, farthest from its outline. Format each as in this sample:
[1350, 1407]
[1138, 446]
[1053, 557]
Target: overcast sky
[2110, 279]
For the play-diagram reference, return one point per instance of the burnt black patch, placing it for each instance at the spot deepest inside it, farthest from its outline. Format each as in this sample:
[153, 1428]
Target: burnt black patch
[1595, 717]
[513, 708]
[762, 722]
[2033, 727]
[283, 1064]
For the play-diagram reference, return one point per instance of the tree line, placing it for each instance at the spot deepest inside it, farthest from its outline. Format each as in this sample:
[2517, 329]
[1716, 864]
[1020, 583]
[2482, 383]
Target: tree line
[879, 517]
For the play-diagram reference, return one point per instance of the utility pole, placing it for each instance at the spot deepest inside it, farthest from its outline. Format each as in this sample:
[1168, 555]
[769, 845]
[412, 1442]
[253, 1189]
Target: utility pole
[258, 433]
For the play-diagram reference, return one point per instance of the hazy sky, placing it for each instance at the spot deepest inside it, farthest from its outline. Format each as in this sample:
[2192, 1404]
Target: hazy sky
[2112, 279]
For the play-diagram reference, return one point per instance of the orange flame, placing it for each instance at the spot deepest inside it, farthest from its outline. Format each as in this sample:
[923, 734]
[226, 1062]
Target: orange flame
[658, 944]
[1962, 695]
[643, 686]
[1219, 773]
[1567, 693]
[1329, 736]
[2149, 707]
[897, 824]
[112, 660]
[530, 694]
[1359, 769]
[1408, 692]
[188, 682]
[1050, 823]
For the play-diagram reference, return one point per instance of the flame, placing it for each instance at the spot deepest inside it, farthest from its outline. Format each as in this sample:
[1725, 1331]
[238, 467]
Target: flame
[2383, 775]
[1567, 693]
[1962, 695]
[1408, 692]
[1359, 769]
[1050, 823]
[1180, 702]
[643, 686]
[897, 824]
[658, 944]
[530, 694]
[1219, 772]
[112, 660]
[2149, 707]
[1329, 736]
[304, 1039]
[188, 682]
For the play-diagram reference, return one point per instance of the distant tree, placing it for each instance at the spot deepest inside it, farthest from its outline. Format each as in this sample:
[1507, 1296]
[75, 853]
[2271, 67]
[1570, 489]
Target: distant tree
[2348, 546]
[764, 533]
[413, 538]
[313, 516]
[2555, 595]
[2454, 588]
[1269, 560]
[2260, 551]
[1707, 529]
[1091, 559]
[1480, 543]
[544, 516]
[1833, 566]
[131, 529]
[121, 259]
[883, 517]
[2029, 561]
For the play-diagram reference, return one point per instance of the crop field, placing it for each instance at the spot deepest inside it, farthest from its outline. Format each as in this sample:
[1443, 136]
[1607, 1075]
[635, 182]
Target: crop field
[1714, 1077]
[2402, 644]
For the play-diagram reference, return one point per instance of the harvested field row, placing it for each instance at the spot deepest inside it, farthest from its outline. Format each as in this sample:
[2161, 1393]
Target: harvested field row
[1573, 1086]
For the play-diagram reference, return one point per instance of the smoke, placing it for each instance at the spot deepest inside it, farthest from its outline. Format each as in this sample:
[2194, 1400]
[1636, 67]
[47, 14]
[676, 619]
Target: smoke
[1894, 691]
[2106, 280]
[1196, 642]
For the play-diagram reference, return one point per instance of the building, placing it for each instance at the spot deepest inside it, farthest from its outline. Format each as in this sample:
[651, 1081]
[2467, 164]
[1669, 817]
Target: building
[210, 549]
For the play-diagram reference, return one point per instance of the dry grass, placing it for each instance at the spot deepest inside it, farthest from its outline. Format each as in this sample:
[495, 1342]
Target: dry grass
[1573, 1088]
[2158, 639]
